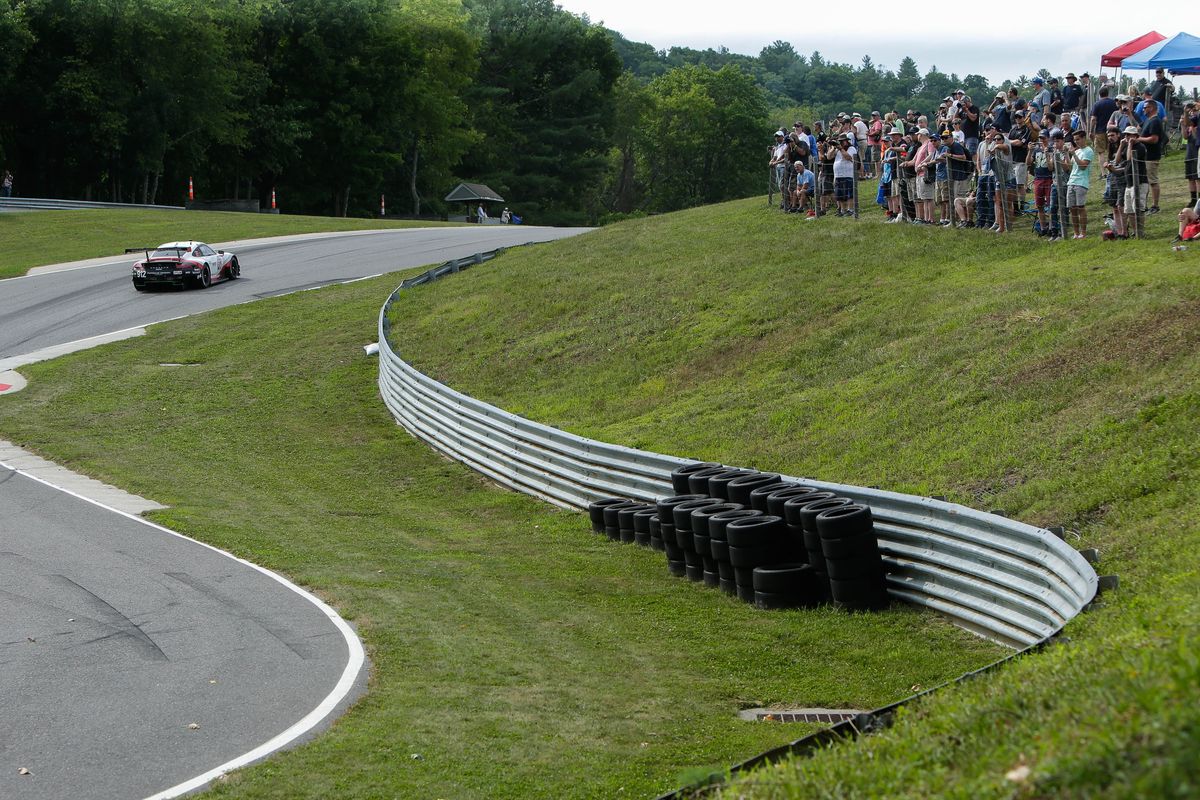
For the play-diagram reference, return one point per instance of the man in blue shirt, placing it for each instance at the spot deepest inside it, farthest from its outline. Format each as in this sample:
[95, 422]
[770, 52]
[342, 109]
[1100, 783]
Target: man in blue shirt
[1140, 110]
[802, 189]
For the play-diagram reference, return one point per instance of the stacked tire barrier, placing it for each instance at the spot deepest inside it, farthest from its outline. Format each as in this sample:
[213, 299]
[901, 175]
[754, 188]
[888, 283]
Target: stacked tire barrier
[1011, 582]
[771, 542]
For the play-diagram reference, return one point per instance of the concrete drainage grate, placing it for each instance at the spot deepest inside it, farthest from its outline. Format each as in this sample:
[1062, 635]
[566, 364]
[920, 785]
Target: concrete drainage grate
[830, 716]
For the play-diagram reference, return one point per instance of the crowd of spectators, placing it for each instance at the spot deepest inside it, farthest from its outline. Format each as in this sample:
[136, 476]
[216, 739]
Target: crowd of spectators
[970, 164]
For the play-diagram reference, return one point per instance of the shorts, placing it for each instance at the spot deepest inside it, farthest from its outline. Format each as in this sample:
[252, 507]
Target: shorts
[1041, 192]
[1189, 169]
[961, 190]
[1152, 172]
[1114, 195]
[941, 191]
[910, 189]
[1076, 196]
[843, 188]
[1140, 192]
[924, 189]
[1021, 172]
[826, 184]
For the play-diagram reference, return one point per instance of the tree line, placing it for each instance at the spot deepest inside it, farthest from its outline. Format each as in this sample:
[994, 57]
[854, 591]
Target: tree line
[334, 102]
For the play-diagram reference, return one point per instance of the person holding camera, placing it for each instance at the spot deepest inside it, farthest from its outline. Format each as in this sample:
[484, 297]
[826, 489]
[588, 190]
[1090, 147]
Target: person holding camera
[1038, 158]
[1114, 182]
[1081, 156]
[843, 153]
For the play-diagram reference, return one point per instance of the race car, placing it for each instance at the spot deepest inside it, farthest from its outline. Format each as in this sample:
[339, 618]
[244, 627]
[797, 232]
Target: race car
[182, 264]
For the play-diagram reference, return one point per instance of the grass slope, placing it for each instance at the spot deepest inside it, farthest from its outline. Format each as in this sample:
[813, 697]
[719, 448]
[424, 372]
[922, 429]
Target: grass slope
[52, 237]
[517, 653]
[1058, 383]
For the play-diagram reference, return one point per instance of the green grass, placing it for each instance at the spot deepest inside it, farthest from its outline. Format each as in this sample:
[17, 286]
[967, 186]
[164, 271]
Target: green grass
[52, 237]
[519, 654]
[522, 656]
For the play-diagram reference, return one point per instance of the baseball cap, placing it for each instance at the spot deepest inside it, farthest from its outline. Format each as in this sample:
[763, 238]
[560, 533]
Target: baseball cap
[1038, 79]
[1044, 134]
[958, 91]
[1131, 130]
[1056, 133]
[780, 133]
[923, 131]
[1000, 95]
[1123, 97]
[896, 131]
[1054, 80]
[946, 134]
[856, 115]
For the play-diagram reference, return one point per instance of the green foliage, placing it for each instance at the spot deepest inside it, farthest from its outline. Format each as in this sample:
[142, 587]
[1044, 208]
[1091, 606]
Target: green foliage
[543, 104]
[702, 137]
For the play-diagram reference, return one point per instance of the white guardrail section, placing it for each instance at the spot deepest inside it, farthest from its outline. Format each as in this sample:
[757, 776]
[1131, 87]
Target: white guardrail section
[49, 204]
[1005, 580]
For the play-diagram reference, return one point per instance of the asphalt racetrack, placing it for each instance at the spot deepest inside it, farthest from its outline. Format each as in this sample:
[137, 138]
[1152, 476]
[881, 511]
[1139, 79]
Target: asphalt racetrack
[134, 662]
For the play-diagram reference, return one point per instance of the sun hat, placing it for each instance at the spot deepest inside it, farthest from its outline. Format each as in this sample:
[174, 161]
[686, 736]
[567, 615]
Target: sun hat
[1132, 129]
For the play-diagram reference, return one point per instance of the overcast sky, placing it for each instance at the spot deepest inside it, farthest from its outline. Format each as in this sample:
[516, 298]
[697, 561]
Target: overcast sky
[997, 40]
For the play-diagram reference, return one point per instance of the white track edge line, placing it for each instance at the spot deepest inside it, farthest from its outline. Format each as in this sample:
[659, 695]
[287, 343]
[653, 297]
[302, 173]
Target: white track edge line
[354, 664]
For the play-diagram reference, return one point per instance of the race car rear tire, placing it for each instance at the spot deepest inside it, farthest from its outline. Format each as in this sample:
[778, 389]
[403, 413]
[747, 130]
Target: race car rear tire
[141, 287]
[205, 279]
[235, 269]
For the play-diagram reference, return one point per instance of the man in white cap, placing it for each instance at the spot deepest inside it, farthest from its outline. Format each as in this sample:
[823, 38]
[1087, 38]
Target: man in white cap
[860, 142]
[779, 158]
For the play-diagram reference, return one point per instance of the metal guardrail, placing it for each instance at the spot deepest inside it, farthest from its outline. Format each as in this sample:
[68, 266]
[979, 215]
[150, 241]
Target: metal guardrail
[1010, 582]
[48, 204]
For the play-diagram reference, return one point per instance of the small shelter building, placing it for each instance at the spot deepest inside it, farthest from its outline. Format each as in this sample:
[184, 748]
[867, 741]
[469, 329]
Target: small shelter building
[474, 195]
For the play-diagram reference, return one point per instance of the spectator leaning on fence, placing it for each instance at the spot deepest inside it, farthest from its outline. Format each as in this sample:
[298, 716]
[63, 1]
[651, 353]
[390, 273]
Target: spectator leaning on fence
[779, 154]
[1189, 127]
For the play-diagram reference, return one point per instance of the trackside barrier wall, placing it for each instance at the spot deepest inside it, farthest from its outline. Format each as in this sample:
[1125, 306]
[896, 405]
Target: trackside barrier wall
[1010, 582]
[48, 204]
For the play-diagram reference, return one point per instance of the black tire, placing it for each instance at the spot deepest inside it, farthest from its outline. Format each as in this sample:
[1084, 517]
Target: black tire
[205, 278]
[778, 497]
[792, 506]
[719, 549]
[860, 545]
[641, 538]
[728, 586]
[848, 520]
[655, 528]
[698, 481]
[625, 520]
[692, 559]
[612, 533]
[701, 516]
[741, 487]
[808, 513]
[694, 573]
[710, 563]
[759, 495]
[674, 552]
[628, 535]
[681, 514]
[679, 477]
[718, 485]
[677, 568]
[700, 544]
[656, 543]
[784, 579]
[725, 570]
[745, 593]
[712, 579]
[859, 593]
[667, 504]
[612, 518]
[719, 523]
[139, 287]
[760, 531]
[596, 511]
[643, 518]
[235, 269]
[744, 576]
[848, 569]
[749, 557]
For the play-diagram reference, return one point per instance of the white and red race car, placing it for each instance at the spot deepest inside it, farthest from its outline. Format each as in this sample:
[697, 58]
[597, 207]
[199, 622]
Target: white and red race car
[183, 263]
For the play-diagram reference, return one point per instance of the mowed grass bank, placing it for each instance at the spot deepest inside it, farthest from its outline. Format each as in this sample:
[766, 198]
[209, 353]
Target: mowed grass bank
[516, 653]
[1057, 383]
[31, 239]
